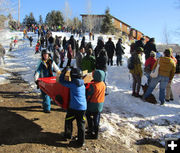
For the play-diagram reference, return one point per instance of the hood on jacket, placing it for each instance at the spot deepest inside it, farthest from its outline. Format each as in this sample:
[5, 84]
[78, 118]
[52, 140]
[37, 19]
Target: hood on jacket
[98, 75]
[78, 82]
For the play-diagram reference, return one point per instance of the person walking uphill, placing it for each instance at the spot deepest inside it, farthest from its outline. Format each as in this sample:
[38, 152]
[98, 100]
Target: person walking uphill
[167, 70]
[109, 46]
[95, 101]
[119, 52]
[45, 69]
[77, 105]
[137, 71]
[150, 46]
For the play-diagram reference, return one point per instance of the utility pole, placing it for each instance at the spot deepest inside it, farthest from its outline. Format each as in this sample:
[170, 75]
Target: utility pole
[19, 13]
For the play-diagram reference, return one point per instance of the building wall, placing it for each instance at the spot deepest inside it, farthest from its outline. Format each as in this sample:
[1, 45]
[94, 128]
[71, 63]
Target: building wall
[97, 21]
[139, 35]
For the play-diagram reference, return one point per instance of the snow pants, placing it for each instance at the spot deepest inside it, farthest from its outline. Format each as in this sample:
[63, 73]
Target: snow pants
[46, 101]
[80, 119]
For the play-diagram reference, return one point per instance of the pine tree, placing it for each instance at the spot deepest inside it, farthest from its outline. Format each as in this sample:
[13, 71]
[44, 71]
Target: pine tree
[29, 20]
[12, 23]
[54, 18]
[40, 20]
[107, 25]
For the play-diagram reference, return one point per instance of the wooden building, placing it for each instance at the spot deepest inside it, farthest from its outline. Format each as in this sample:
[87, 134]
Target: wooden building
[97, 21]
[94, 22]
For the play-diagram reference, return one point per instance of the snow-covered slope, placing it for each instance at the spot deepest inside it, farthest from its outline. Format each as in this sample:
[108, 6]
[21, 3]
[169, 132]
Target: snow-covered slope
[121, 109]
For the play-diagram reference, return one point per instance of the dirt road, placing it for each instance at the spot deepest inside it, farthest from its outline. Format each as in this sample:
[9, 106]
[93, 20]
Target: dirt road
[24, 128]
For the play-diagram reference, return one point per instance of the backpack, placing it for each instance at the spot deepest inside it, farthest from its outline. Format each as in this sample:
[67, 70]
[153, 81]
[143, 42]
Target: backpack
[130, 63]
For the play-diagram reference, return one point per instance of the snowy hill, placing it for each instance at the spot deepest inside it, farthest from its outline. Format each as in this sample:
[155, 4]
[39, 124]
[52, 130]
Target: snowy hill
[121, 109]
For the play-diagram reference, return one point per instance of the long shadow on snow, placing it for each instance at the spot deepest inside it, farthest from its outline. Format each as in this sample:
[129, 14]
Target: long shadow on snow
[15, 129]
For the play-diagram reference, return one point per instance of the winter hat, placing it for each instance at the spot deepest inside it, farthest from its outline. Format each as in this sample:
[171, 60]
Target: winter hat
[98, 75]
[153, 54]
[45, 51]
[76, 73]
[167, 52]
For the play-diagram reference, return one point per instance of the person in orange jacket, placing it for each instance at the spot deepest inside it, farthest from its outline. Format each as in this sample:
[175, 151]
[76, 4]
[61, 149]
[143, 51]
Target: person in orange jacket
[95, 101]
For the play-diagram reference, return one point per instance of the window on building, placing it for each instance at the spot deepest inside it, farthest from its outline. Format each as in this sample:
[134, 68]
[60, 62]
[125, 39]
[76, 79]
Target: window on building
[128, 29]
[112, 20]
[120, 25]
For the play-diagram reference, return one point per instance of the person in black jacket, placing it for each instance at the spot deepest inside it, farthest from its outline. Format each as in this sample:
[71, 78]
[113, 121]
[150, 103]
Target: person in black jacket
[109, 46]
[101, 64]
[64, 43]
[83, 43]
[51, 42]
[140, 43]
[119, 52]
[31, 40]
[178, 63]
[101, 61]
[72, 41]
[99, 47]
[57, 42]
[150, 46]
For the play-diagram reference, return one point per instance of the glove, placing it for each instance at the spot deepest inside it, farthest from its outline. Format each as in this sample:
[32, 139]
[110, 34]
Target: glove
[64, 70]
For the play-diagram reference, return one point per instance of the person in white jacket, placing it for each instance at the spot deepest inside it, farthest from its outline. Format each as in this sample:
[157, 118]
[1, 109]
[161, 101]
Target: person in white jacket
[45, 69]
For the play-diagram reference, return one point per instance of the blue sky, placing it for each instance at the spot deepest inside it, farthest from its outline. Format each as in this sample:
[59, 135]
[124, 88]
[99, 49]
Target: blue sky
[149, 16]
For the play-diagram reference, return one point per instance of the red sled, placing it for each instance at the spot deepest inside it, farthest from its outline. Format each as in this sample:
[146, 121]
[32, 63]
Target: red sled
[59, 93]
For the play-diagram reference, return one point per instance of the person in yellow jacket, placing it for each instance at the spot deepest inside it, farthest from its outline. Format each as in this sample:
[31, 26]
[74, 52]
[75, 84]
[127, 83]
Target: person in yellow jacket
[137, 71]
[167, 70]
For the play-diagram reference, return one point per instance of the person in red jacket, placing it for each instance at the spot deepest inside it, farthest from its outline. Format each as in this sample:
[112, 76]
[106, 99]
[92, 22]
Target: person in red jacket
[69, 55]
[37, 47]
[149, 65]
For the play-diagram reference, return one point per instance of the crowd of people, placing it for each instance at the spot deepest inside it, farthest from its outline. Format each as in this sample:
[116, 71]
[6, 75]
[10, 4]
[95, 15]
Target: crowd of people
[89, 103]
[166, 69]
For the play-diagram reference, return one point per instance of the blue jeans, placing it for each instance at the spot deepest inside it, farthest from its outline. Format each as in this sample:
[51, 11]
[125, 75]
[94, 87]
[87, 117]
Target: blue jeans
[50, 47]
[46, 101]
[148, 77]
[163, 84]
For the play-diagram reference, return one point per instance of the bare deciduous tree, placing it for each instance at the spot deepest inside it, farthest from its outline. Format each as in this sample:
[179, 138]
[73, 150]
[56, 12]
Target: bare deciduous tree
[6, 7]
[67, 14]
[166, 35]
[89, 21]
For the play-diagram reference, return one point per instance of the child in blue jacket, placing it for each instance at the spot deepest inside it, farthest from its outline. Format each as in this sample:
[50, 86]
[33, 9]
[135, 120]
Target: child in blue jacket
[77, 105]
